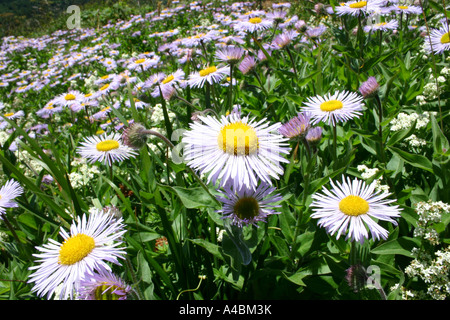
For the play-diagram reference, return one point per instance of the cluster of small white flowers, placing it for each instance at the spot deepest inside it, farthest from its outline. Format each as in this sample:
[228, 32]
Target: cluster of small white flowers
[429, 213]
[29, 165]
[430, 90]
[89, 82]
[434, 85]
[157, 117]
[367, 173]
[84, 173]
[415, 141]
[445, 71]
[407, 294]
[405, 120]
[431, 267]
[4, 136]
[158, 114]
[433, 271]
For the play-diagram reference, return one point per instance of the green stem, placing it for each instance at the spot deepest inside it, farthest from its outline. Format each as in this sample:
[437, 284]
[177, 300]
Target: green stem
[335, 141]
[260, 82]
[166, 114]
[292, 62]
[171, 146]
[133, 276]
[230, 90]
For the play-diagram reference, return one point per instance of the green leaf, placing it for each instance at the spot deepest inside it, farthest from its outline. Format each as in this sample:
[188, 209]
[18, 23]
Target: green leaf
[415, 160]
[235, 234]
[212, 248]
[297, 278]
[400, 246]
[440, 142]
[194, 197]
[145, 273]
[400, 135]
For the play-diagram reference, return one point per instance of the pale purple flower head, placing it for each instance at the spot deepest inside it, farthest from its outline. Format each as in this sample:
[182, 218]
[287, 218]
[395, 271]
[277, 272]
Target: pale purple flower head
[247, 64]
[247, 206]
[297, 127]
[369, 87]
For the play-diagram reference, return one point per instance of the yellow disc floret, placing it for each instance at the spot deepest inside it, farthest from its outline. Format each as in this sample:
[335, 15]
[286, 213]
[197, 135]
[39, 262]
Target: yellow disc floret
[445, 38]
[331, 105]
[238, 139]
[168, 79]
[255, 20]
[75, 249]
[107, 145]
[358, 5]
[70, 97]
[353, 206]
[207, 71]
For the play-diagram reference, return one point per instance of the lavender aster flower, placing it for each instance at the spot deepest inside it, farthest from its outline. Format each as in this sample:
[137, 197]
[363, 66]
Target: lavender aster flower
[247, 206]
[297, 127]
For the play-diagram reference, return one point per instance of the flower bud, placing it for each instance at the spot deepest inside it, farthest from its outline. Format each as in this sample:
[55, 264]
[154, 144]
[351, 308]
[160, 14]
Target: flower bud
[135, 136]
[368, 88]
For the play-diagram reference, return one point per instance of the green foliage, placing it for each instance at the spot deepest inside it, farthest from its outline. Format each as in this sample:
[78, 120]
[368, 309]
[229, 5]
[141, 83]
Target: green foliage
[203, 256]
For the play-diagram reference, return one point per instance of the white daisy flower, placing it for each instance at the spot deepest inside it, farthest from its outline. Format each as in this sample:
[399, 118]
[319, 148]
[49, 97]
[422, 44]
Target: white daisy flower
[406, 9]
[211, 75]
[235, 150]
[167, 82]
[356, 8]
[90, 245]
[8, 193]
[331, 109]
[48, 110]
[439, 40]
[13, 115]
[383, 26]
[69, 98]
[253, 24]
[105, 148]
[142, 64]
[350, 207]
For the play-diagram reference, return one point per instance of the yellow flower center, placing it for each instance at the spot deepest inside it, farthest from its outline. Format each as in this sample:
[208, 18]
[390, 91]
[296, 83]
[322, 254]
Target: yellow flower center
[238, 139]
[9, 114]
[403, 7]
[246, 208]
[353, 206]
[358, 5]
[107, 145]
[381, 24]
[75, 249]
[69, 97]
[255, 20]
[168, 79]
[49, 107]
[105, 77]
[331, 105]
[105, 292]
[445, 38]
[106, 86]
[139, 61]
[207, 71]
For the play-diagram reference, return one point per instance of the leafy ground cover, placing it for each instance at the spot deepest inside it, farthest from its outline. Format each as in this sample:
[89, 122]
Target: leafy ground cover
[228, 150]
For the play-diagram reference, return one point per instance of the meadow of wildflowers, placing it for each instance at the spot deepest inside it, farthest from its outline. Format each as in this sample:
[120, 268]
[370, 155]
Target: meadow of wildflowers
[229, 150]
